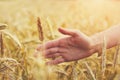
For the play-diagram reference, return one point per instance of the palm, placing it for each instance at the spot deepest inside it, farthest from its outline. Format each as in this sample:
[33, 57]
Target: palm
[73, 48]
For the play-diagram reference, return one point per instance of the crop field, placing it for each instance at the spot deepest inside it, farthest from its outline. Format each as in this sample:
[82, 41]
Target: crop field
[19, 37]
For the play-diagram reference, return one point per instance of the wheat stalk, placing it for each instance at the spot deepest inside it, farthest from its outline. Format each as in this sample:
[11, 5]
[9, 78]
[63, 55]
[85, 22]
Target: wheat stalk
[3, 26]
[50, 27]
[116, 56]
[74, 73]
[1, 45]
[40, 30]
[13, 37]
[90, 71]
[41, 38]
[103, 58]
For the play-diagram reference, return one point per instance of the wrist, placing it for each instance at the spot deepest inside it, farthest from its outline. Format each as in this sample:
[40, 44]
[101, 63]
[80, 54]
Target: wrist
[96, 43]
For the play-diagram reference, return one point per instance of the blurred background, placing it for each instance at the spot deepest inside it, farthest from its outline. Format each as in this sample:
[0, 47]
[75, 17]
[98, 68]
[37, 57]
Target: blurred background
[20, 38]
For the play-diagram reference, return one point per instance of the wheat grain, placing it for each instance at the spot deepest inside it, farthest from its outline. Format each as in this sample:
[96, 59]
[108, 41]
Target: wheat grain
[1, 45]
[3, 26]
[41, 37]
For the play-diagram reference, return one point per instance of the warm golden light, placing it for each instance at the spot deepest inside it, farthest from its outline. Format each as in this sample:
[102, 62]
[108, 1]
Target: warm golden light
[20, 37]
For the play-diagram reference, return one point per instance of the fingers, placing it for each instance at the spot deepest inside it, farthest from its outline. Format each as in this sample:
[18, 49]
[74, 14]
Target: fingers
[51, 51]
[56, 61]
[53, 56]
[68, 32]
[49, 44]
[53, 43]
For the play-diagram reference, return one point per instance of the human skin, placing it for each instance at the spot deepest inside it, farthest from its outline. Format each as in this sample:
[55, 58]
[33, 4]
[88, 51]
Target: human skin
[76, 45]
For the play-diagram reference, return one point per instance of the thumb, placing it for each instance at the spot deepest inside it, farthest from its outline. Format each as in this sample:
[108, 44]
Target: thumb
[67, 32]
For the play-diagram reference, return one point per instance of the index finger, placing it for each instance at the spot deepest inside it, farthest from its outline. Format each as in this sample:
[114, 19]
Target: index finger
[49, 44]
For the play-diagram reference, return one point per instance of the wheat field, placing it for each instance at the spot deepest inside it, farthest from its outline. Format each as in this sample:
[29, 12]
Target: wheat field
[19, 37]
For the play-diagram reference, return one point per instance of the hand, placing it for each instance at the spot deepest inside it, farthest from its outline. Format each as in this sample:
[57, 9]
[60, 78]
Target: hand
[73, 47]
